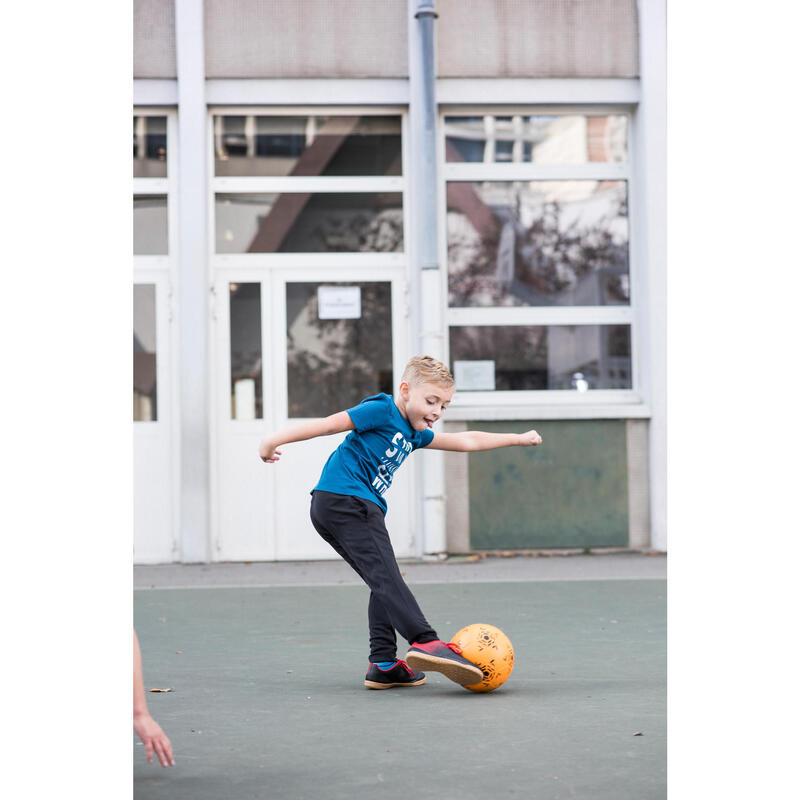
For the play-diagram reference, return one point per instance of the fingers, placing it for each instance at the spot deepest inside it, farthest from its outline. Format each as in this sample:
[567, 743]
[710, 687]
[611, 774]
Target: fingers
[148, 750]
[163, 749]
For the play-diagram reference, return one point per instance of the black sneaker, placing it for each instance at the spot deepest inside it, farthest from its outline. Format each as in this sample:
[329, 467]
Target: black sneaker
[398, 675]
[444, 657]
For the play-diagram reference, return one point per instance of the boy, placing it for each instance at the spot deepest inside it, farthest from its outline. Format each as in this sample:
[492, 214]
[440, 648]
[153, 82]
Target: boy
[348, 508]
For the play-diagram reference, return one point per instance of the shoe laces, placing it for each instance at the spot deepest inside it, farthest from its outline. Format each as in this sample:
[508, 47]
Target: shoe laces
[405, 666]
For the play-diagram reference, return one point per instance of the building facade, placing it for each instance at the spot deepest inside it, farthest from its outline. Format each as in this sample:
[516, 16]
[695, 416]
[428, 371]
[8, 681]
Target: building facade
[324, 188]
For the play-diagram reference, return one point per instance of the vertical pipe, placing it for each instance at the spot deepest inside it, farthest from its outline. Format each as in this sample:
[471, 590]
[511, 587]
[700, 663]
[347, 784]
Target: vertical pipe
[192, 316]
[427, 320]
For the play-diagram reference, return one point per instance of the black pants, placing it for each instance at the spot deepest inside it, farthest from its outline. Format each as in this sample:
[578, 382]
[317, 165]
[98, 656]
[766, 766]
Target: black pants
[355, 529]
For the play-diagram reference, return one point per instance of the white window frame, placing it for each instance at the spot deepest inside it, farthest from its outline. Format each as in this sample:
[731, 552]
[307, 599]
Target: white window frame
[333, 184]
[162, 270]
[162, 186]
[544, 403]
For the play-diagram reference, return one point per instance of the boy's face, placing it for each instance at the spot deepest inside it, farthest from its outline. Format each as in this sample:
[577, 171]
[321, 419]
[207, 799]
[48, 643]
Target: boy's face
[424, 403]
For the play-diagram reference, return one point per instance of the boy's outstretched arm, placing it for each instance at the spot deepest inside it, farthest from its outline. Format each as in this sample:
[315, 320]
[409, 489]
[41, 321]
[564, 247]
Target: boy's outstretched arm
[471, 441]
[324, 426]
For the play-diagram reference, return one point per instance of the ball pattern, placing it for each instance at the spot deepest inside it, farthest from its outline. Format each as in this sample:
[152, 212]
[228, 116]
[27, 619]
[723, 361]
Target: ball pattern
[491, 650]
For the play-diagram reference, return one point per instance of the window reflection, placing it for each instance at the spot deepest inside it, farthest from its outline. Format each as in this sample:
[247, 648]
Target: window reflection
[259, 145]
[149, 147]
[334, 358]
[540, 139]
[566, 357]
[246, 358]
[307, 223]
[144, 353]
[150, 235]
[537, 243]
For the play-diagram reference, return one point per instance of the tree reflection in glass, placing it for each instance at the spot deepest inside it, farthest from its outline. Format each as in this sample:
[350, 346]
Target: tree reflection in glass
[537, 243]
[542, 357]
[333, 364]
[301, 222]
[145, 385]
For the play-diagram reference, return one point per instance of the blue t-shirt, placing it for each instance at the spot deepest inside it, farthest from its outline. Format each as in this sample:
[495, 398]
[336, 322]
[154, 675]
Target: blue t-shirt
[364, 463]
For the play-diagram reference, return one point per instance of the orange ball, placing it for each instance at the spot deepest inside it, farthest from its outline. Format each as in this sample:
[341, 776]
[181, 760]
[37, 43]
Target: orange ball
[488, 648]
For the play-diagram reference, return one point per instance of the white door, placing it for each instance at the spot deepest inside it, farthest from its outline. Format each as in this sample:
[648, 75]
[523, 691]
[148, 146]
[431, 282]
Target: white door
[242, 490]
[325, 344]
[154, 526]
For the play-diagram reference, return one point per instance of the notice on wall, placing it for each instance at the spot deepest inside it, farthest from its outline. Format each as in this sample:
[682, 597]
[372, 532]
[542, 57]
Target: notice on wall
[474, 376]
[339, 302]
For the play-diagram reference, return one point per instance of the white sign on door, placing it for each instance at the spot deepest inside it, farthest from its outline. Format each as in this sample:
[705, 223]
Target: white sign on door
[474, 375]
[339, 302]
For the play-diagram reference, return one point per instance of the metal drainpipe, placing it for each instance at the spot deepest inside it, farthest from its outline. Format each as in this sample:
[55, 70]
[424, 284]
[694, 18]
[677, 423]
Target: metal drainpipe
[427, 320]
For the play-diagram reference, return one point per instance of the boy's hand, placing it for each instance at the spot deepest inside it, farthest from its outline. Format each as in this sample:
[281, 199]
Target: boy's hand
[267, 451]
[530, 439]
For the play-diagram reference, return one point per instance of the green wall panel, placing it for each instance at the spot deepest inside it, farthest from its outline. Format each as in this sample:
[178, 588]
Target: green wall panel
[570, 491]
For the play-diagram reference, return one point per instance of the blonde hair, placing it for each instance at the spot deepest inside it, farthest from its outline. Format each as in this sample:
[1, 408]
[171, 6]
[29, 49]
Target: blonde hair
[426, 369]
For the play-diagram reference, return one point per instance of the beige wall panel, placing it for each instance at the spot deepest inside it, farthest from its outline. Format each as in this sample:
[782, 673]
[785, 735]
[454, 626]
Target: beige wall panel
[306, 38]
[537, 38]
[154, 39]
[456, 479]
[638, 484]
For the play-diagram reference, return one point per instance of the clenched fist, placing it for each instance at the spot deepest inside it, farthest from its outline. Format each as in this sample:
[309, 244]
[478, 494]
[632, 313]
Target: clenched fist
[531, 438]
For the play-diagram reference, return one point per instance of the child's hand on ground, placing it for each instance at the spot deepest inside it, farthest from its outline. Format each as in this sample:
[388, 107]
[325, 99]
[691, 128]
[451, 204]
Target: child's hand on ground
[531, 438]
[267, 451]
[153, 738]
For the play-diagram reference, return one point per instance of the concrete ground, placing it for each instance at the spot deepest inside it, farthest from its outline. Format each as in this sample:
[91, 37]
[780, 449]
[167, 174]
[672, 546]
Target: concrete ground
[266, 663]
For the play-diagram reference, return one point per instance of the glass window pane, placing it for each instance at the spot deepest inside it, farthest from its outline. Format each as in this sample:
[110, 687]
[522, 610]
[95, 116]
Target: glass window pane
[309, 223]
[263, 145]
[570, 357]
[150, 225]
[246, 366]
[149, 147]
[339, 345]
[540, 139]
[537, 243]
[144, 353]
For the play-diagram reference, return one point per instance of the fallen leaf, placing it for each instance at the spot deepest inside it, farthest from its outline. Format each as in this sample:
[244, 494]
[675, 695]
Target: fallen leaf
[160, 690]
[179, 652]
[638, 734]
